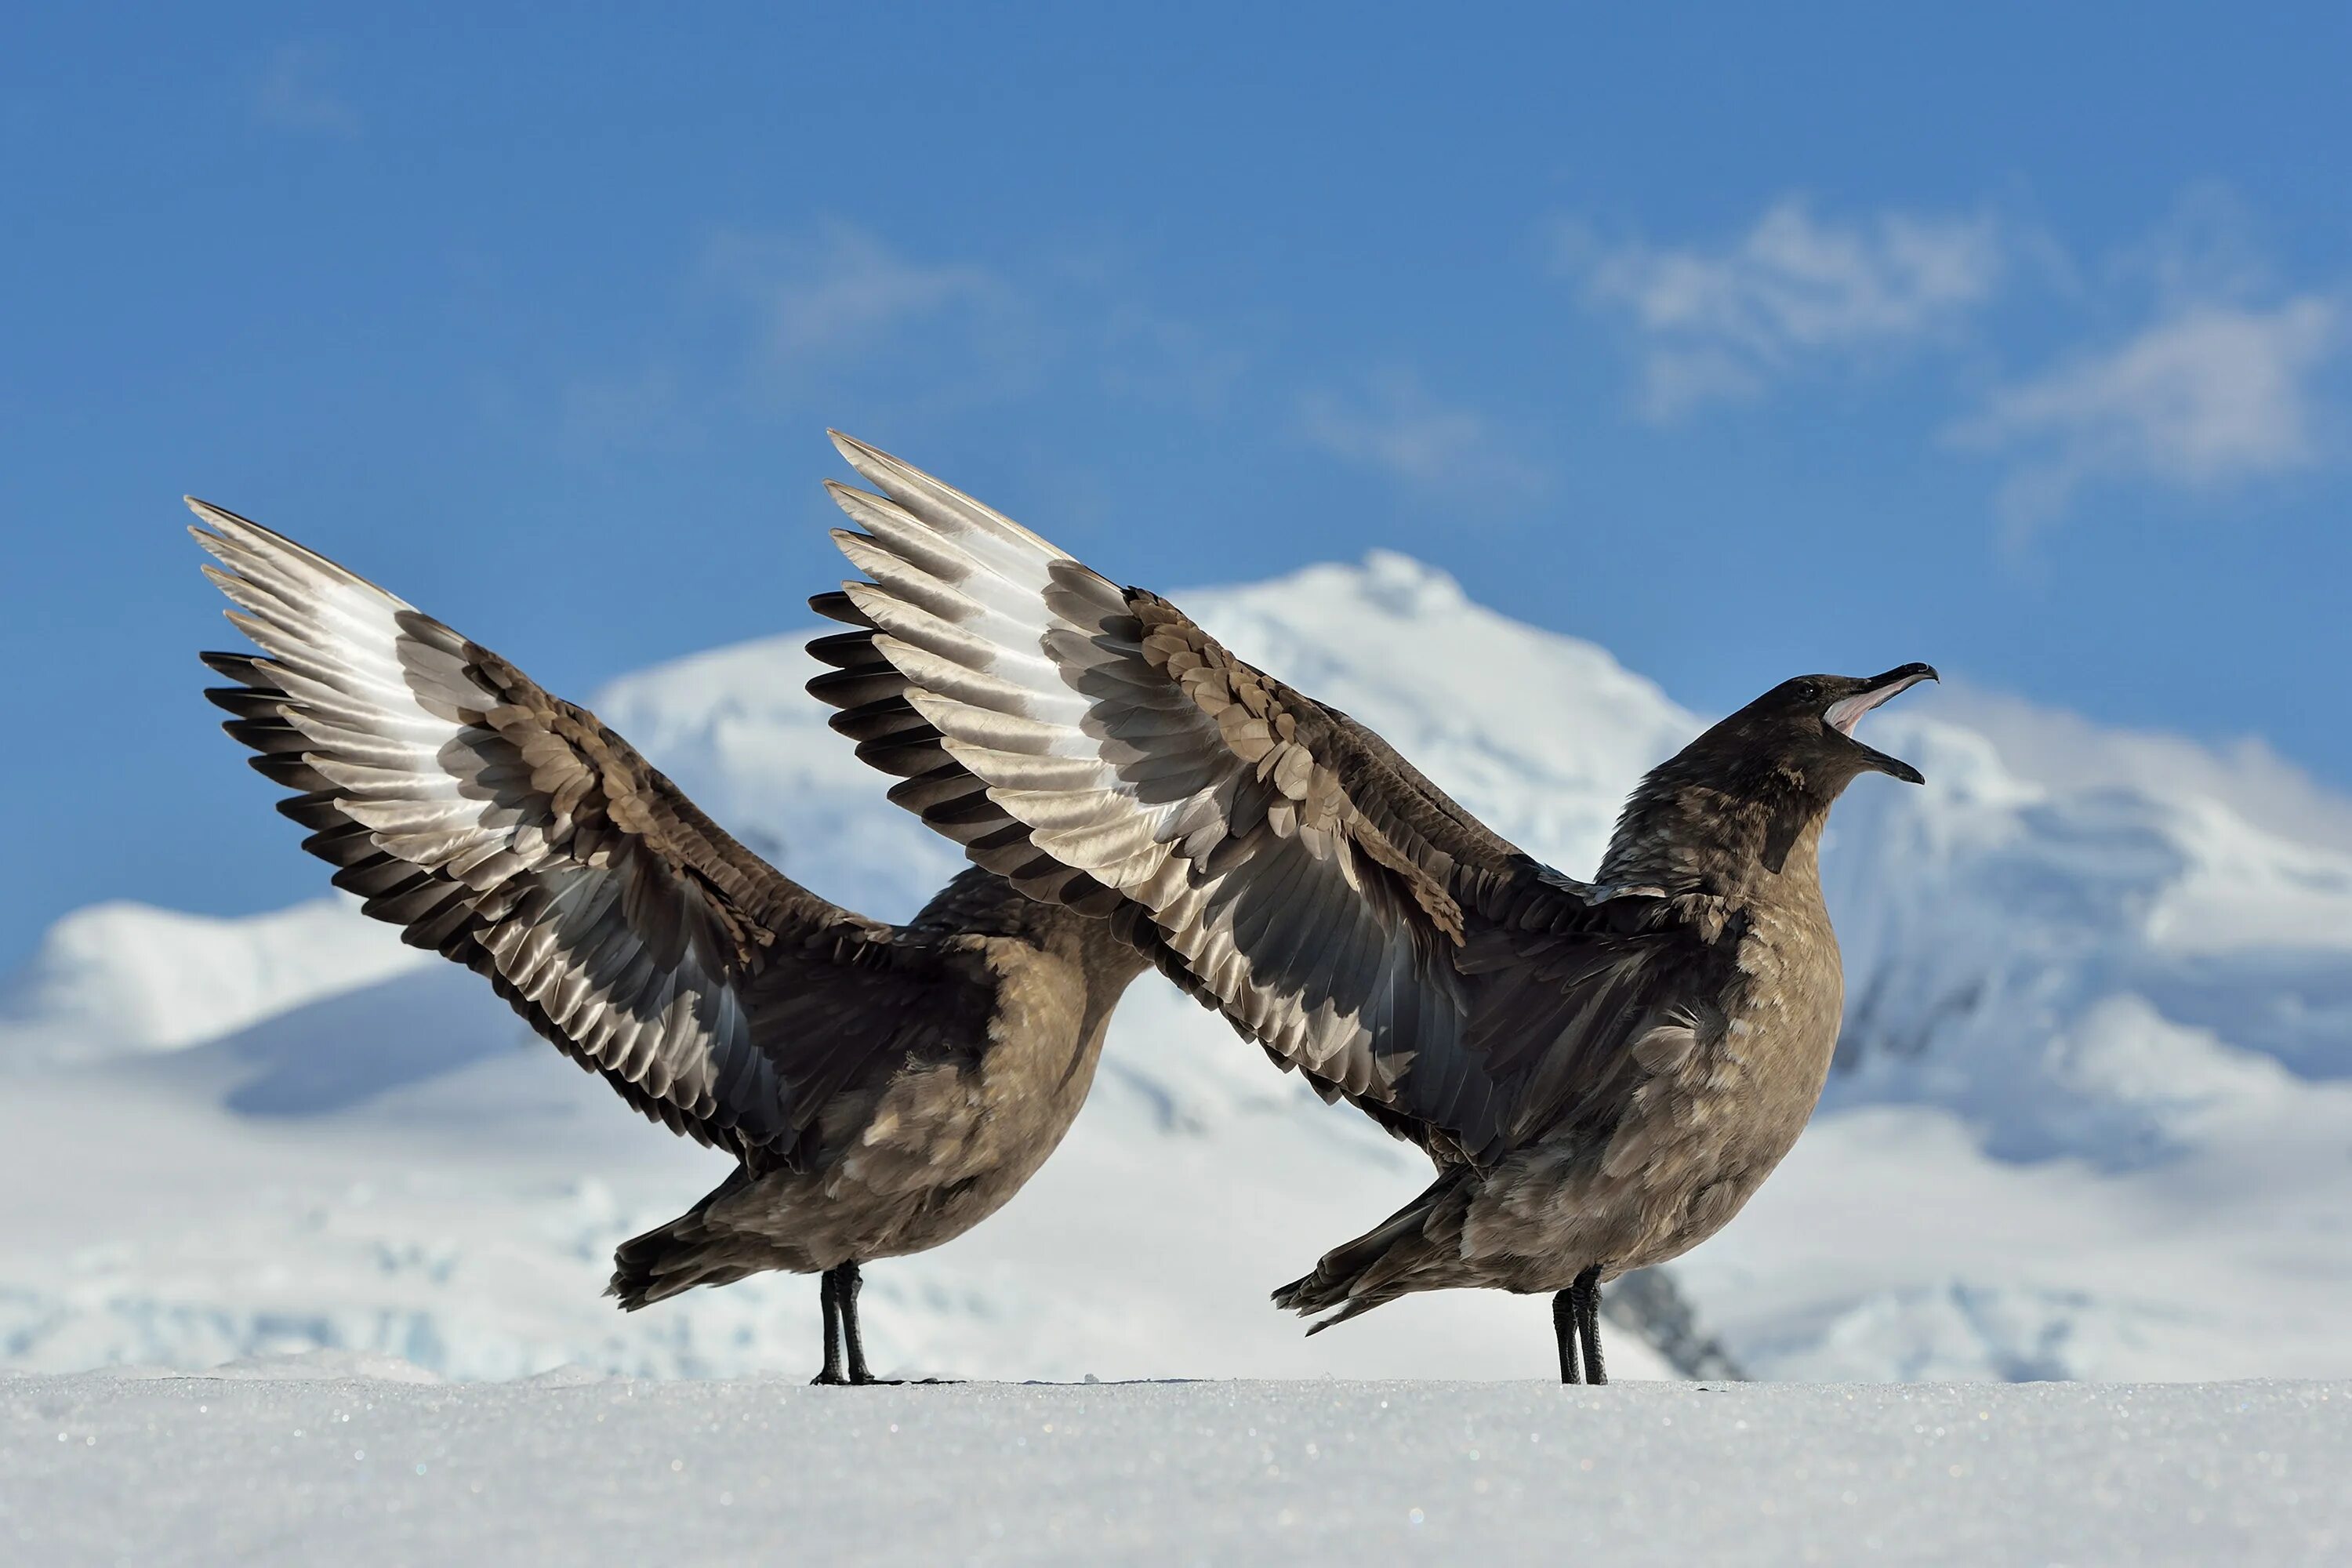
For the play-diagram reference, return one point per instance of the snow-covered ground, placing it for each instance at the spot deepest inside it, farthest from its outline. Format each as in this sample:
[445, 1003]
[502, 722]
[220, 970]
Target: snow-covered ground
[2093, 1120]
[260, 1467]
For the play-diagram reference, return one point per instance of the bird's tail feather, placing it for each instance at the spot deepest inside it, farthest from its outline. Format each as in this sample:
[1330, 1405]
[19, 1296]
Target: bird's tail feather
[690, 1251]
[1362, 1274]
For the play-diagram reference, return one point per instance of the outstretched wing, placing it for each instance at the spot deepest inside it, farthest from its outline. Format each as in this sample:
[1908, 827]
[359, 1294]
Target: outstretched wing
[512, 832]
[1296, 872]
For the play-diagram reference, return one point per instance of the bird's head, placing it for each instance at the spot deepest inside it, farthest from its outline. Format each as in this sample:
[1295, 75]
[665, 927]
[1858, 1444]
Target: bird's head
[1802, 731]
[1743, 794]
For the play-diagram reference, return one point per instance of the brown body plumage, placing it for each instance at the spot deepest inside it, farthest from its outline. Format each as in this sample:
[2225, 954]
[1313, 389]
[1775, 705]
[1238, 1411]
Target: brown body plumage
[1706, 1099]
[1603, 1072]
[882, 1089]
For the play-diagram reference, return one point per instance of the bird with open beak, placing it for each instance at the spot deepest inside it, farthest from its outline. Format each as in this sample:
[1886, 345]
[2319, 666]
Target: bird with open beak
[1602, 1071]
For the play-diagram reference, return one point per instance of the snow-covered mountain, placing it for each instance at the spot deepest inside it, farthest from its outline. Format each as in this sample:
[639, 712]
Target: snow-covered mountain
[118, 978]
[2090, 1118]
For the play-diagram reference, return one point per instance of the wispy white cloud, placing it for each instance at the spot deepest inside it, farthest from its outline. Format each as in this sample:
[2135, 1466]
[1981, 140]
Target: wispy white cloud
[1395, 425]
[842, 288]
[293, 93]
[2204, 396]
[1795, 289]
[1160, 359]
[2219, 381]
[2204, 253]
[832, 319]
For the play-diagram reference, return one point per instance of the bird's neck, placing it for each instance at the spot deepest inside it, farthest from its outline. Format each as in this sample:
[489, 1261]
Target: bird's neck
[1684, 835]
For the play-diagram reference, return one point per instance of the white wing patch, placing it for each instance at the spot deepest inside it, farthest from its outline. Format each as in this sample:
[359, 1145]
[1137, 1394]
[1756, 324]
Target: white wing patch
[1028, 666]
[627, 966]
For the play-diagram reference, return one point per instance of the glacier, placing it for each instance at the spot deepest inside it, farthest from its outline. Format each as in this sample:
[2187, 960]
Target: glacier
[2089, 1119]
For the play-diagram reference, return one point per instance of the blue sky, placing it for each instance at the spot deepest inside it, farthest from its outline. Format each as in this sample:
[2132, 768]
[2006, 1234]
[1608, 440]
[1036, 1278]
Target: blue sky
[2010, 340]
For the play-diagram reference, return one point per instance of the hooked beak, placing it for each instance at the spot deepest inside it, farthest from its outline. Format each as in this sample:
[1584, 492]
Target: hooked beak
[1844, 713]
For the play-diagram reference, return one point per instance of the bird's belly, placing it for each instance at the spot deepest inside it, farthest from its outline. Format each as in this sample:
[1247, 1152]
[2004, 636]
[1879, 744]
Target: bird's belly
[860, 1209]
[942, 1150]
[1692, 1147]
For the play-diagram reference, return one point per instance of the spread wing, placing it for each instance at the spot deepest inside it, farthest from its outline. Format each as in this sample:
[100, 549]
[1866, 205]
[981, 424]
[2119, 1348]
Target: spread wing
[1093, 744]
[512, 832]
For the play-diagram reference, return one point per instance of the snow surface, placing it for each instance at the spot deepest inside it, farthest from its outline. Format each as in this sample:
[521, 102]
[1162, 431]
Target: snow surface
[2092, 1118]
[268, 1464]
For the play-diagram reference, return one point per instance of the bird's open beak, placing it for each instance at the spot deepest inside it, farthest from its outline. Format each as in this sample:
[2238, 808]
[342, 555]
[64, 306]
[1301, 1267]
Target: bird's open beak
[1844, 713]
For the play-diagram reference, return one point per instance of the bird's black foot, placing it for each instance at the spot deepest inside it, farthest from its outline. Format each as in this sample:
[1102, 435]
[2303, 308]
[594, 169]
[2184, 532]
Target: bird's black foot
[828, 1295]
[852, 1282]
[1576, 1324]
[1586, 1306]
[837, 1290]
[845, 1347]
[1563, 1328]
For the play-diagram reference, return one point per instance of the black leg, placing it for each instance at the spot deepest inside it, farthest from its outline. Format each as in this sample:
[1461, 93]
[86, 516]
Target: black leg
[1563, 1328]
[1587, 1291]
[828, 1294]
[851, 1283]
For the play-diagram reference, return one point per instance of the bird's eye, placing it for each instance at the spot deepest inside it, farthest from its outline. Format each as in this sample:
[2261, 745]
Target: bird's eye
[1809, 690]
